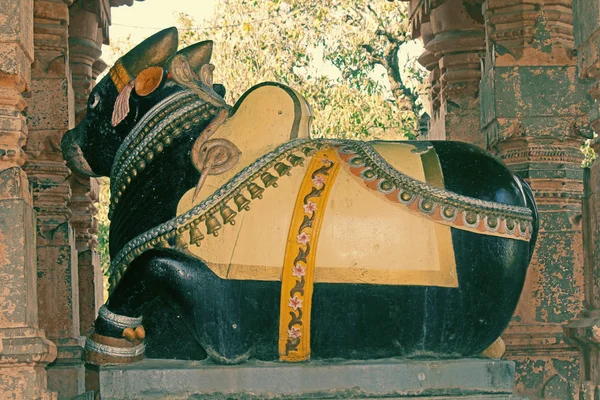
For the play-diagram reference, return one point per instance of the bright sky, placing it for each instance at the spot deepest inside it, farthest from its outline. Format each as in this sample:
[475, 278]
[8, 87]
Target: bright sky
[146, 17]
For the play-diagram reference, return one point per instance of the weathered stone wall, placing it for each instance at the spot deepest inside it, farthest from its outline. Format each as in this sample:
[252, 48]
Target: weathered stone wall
[50, 115]
[504, 76]
[534, 112]
[49, 272]
[585, 330]
[24, 350]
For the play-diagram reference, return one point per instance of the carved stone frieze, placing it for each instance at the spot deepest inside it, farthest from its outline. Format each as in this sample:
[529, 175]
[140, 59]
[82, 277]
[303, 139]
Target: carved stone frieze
[530, 157]
[537, 32]
[419, 12]
[16, 55]
[453, 35]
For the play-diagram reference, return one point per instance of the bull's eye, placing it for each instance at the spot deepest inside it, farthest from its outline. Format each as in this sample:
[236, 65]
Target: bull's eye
[94, 100]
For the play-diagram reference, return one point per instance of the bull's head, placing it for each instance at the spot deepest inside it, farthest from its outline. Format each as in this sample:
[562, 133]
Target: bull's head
[136, 83]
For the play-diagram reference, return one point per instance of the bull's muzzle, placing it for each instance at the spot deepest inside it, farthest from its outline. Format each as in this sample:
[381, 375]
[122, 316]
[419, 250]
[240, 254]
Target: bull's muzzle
[72, 153]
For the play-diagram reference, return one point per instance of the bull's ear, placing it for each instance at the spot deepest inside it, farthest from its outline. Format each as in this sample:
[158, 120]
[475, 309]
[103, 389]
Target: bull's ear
[191, 68]
[198, 54]
[148, 80]
[154, 51]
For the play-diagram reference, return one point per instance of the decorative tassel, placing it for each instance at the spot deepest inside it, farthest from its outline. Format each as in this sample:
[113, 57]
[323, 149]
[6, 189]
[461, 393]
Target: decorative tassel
[122, 104]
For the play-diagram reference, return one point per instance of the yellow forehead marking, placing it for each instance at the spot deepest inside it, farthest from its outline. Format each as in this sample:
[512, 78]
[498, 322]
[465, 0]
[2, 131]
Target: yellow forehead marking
[119, 76]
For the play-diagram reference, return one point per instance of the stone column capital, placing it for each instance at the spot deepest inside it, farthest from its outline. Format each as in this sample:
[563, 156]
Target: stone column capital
[530, 33]
[454, 40]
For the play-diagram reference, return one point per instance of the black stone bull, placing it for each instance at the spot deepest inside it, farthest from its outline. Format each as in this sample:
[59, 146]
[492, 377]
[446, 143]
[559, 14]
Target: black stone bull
[191, 312]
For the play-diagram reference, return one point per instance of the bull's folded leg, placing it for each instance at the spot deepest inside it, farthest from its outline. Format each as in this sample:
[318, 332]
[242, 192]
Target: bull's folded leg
[104, 349]
[118, 336]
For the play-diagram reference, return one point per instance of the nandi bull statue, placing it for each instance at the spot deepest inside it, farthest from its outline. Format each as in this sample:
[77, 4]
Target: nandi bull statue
[250, 240]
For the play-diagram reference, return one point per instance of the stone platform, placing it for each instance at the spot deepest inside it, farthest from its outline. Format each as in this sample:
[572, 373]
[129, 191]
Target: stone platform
[383, 379]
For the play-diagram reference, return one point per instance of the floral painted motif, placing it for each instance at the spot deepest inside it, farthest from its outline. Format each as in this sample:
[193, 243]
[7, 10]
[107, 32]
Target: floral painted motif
[310, 207]
[318, 181]
[303, 238]
[295, 303]
[294, 332]
[299, 265]
[299, 270]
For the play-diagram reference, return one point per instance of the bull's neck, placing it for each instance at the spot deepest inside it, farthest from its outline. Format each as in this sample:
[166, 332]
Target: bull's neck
[151, 198]
[152, 169]
[169, 119]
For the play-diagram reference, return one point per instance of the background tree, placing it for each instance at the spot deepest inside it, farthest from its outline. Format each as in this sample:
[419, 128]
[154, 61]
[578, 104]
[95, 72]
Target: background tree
[342, 55]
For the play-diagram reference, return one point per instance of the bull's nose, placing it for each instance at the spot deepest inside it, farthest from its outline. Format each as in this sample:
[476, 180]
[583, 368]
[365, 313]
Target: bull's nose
[73, 154]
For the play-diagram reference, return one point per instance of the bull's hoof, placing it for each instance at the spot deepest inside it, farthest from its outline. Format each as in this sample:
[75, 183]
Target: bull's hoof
[106, 350]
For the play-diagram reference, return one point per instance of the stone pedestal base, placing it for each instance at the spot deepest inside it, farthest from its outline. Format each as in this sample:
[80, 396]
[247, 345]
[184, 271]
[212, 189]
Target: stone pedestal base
[389, 379]
[66, 375]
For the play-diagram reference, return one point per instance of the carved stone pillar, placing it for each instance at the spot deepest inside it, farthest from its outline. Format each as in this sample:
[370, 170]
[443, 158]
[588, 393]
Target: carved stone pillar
[24, 351]
[50, 116]
[84, 48]
[534, 111]
[431, 62]
[585, 330]
[85, 193]
[87, 32]
[453, 35]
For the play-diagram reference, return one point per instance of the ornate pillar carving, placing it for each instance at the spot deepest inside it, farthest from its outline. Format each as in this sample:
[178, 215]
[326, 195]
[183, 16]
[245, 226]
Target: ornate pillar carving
[533, 113]
[85, 194]
[453, 35]
[585, 330]
[88, 30]
[50, 116]
[24, 351]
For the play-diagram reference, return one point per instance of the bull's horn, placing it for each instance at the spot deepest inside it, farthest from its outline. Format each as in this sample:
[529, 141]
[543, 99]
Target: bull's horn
[198, 54]
[153, 51]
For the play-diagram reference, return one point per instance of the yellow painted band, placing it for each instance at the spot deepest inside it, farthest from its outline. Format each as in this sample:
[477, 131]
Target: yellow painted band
[119, 76]
[297, 281]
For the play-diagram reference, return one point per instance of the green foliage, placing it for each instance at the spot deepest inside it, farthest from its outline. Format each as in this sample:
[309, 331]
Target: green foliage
[589, 154]
[342, 55]
[103, 225]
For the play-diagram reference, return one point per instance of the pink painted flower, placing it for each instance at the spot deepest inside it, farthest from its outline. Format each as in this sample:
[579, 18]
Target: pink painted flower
[298, 271]
[310, 207]
[295, 303]
[294, 333]
[303, 238]
[318, 181]
[326, 161]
